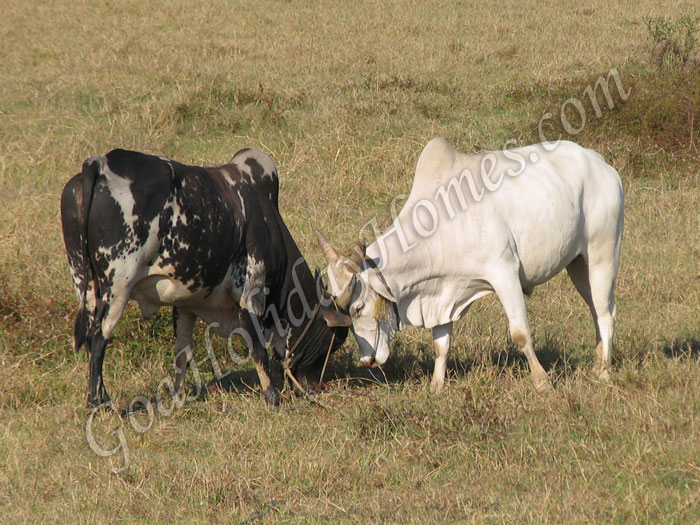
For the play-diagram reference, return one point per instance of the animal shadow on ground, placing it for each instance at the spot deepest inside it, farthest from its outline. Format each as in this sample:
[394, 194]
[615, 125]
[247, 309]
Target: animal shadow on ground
[417, 361]
[414, 363]
[343, 368]
[243, 382]
[403, 366]
[682, 348]
[239, 381]
[550, 352]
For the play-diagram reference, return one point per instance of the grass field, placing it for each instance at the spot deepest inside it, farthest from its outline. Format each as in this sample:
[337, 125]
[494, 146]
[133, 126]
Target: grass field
[344, 96]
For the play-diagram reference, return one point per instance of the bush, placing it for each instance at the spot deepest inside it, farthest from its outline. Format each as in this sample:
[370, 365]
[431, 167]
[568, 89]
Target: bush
[675, 41]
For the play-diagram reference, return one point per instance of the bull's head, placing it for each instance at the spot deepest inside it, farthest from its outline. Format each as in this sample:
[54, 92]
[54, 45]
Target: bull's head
[360, 289]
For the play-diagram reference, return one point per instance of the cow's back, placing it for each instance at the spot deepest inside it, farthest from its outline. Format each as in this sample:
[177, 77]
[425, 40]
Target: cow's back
[181, 232]
[559, 204]
[545, 204]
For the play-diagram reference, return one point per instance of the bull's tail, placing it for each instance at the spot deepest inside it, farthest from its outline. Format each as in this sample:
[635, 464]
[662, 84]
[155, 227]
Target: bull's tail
[76, 202]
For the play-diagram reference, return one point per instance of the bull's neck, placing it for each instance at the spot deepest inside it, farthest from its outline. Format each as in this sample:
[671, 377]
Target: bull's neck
[300, 300]
[400, 254]
[309, 334]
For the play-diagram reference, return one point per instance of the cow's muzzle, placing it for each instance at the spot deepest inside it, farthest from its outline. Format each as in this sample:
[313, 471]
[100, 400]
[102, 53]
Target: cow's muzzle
[369, 361]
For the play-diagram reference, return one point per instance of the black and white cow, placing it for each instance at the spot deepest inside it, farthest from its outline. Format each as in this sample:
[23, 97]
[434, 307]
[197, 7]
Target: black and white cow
[209, 242]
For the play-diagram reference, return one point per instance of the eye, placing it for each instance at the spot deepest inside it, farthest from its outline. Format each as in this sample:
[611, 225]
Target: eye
[356, 308]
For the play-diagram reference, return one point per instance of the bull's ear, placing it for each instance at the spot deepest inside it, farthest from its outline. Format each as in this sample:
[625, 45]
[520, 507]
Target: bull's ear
[335, 318]
[378, 284]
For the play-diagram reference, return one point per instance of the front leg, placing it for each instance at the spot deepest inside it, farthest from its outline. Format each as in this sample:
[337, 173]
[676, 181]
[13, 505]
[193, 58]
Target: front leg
[441, 343]
[510, 293]
[262, 365]
[183, 324]
[252, 332]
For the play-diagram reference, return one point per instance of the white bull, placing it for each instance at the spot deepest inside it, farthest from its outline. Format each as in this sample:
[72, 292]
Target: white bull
[499, 222]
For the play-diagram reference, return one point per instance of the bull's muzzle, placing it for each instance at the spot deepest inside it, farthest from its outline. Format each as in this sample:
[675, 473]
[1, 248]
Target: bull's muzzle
[369, 361]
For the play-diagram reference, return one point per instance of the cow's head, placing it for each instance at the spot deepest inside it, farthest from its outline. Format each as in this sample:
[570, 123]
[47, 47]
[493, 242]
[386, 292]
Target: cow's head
[360, 289]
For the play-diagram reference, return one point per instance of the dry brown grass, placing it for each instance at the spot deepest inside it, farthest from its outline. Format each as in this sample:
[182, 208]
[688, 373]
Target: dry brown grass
[344, 96]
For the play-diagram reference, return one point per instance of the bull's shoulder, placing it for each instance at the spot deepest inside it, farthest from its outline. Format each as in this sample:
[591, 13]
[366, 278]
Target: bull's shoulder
[436, 160]
[435, 166]
[258, 169]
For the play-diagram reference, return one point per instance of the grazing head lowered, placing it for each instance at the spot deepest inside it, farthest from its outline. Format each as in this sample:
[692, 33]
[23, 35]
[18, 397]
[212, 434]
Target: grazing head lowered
[209, 242]
[360, 289]
[498, 222]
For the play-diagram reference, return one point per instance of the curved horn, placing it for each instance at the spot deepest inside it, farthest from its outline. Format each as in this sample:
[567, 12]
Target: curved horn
[343, 301]
[328, 250]
[358, 256]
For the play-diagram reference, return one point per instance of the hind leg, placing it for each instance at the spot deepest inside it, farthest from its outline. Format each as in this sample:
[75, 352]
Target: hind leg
[595, 284]
[108, 312]
[578, 273]
[602, 279]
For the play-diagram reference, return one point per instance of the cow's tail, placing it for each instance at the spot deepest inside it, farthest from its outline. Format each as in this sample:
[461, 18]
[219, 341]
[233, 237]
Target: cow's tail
[76, 202]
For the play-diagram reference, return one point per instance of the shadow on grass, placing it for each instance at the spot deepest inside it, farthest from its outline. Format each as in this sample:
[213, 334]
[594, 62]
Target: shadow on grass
[344, 368]
[411, 364]
[415, 363]
[238, 381]
[683, 348]
[557, 361]
[407, 364]
[401, 369]
[242, 382]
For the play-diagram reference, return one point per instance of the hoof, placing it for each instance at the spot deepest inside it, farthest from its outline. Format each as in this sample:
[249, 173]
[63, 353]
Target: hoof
[603, 374]
[436, 386]
[543, 384]
[104, 403]
[272, 396]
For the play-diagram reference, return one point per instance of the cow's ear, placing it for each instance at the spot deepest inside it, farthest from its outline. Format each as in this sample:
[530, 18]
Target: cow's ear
[378, 284]
[335, 318]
